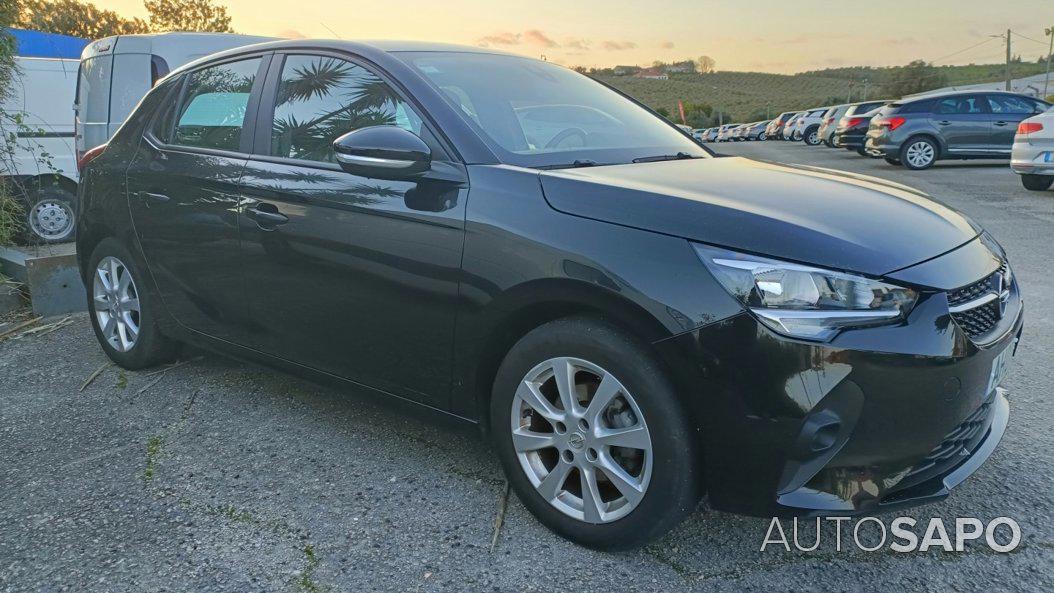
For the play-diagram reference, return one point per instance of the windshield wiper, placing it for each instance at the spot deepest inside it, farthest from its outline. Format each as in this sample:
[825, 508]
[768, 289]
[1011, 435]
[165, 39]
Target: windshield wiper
[665, 157]
[575, 164]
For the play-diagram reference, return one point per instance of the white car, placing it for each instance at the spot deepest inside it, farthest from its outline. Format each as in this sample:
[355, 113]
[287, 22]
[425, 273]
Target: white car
[41, 149]
[724, 133]
[1032, 155]
[790, 130]
[115, 72]
[807, 127]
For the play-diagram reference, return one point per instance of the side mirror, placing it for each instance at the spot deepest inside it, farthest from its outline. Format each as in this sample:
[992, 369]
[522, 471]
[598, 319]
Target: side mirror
[383, 152]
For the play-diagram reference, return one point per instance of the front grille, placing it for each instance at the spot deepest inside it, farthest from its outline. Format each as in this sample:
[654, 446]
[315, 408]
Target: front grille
[978, 320]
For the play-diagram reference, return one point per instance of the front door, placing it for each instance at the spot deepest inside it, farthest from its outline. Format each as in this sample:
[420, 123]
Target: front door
[964, 123]
[352, 276]
[183, 193]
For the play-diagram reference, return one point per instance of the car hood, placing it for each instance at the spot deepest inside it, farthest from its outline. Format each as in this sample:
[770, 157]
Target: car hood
[806, 214]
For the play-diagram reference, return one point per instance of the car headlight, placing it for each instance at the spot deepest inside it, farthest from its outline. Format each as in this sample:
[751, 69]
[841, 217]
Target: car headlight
[803, 301]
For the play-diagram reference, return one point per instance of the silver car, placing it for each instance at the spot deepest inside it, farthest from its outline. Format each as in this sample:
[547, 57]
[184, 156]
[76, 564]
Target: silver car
[1032, 155]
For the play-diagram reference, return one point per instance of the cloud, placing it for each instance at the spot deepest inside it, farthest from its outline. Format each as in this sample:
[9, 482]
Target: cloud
[618, 45]
[581, 44]
[667, 45]
[536, 37]
[500, 39]
[291, 34]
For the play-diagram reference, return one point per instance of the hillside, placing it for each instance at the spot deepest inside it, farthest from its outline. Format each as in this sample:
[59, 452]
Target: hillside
[750, 95]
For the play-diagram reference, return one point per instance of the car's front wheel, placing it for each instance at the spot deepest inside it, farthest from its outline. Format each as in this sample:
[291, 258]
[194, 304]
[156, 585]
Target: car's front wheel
[918, 153]
[593, 436]
[1037, 182]
[123, 314]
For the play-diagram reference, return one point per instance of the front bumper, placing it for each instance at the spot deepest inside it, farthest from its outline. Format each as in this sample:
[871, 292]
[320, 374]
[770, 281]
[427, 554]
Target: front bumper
[852, 426]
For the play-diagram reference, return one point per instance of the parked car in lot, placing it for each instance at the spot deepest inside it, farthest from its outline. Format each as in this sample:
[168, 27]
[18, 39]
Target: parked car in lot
[775, 128]
[711, 134]
[115, 72]
[756, 130]
[790, 129]
[724, 132]
[738, 131]
[382, 217]
[830, 122]
[807, 126]
[852, 128]
[1032, 155]
[699, 134]
[959, 125]
[39, 163]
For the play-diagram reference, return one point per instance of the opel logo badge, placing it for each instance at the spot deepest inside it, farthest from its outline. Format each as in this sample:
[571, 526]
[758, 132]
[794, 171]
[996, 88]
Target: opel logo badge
[1003, 291]
[576, 440]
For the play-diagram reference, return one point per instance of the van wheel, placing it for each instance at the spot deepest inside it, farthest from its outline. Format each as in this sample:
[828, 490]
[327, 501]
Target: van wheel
[1037, 182]
[49, 217]
[918, 154]
[123, 313]
[592, 435]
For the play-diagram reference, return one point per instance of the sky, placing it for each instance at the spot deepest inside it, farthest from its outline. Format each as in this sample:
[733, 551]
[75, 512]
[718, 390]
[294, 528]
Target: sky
[783, 36]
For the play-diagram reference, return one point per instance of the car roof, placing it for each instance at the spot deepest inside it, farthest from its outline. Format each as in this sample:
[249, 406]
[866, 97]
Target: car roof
[364, 47]
[959, 93]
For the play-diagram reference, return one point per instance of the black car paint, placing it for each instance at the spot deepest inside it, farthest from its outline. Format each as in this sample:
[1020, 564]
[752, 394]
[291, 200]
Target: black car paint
[416, 288]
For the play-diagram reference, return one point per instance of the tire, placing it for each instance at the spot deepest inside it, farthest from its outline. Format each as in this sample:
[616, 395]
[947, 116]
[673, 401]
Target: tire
[1037, 182]
[49, 216]
[761, 137]
[672, 488]
[893, 161]
[919, 153]
[812, 136]
[149, 347]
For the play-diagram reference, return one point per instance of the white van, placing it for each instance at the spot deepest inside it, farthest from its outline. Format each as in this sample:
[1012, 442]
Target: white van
[115, 73]
[41, 165]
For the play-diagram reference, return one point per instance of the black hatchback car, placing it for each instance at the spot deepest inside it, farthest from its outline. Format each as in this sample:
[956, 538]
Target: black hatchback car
[962, 125]
[632, 321]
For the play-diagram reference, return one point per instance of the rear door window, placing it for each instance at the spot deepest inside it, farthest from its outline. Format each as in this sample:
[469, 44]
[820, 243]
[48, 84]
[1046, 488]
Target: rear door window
[212, 114]
[961, 105]
[1009, 104]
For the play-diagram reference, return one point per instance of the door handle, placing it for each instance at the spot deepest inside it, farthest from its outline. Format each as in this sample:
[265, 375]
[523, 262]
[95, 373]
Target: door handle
[267, 215]
[1001, 123]
[944, 122]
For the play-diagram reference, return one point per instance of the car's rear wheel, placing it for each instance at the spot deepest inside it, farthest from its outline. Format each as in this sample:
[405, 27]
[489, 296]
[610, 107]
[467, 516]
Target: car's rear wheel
[592, 435]
[123, 314]
[893, 161]
[812, 137]
[918, 153]
[1037, 182]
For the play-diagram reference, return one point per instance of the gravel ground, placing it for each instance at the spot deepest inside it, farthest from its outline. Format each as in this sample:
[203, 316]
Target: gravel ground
[222, 476]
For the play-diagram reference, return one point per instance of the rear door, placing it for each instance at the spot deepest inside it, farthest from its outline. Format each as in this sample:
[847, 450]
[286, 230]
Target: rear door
[1007, 112]
[353, 276]
[964, 123]
[184, 195]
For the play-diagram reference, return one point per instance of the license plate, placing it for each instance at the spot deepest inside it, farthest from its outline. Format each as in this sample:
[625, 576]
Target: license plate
[1000, 366]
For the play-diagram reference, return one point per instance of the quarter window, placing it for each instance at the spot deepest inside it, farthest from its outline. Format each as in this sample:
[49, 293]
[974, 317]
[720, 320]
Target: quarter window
[322, 98]
[212, 114]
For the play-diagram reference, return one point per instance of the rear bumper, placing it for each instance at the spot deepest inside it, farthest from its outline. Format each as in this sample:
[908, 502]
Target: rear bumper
[849, 139]
[1031, 157]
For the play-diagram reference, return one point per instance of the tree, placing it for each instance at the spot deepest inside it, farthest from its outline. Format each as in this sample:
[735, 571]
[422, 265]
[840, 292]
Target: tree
[72, 17]
[10, 209]
[916, 77]
[188, 15]
[705, 65]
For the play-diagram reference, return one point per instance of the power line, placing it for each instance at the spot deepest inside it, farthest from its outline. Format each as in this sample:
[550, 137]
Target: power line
[1029, 38]
[942, 58]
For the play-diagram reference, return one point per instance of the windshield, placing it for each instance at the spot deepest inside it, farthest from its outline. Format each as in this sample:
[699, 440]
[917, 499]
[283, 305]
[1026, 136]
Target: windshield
[537, 114]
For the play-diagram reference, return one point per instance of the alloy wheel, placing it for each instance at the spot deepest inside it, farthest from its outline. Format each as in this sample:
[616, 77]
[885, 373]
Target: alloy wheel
[920, 154]
[51, 220]
[116, 305]
[581, 439]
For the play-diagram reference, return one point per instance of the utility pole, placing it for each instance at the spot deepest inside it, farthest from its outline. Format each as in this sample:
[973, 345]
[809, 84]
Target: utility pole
[1046, 80]
[1008, 59]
